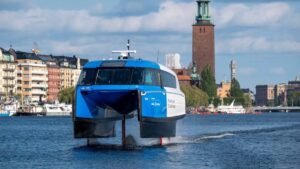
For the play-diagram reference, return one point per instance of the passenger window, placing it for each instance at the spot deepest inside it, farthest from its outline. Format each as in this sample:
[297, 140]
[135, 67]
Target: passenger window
[151, 77]
[87, 77]
[113, 76]
[168, 80]
[137, 77]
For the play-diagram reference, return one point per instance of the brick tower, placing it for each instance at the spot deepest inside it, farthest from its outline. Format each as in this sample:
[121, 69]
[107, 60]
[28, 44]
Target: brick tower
[203, 38]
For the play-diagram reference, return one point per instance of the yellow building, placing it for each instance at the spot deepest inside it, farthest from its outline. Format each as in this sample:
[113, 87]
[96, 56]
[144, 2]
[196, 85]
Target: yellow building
[223, 90]
[69, 73]
[31, 77]
[8, 74]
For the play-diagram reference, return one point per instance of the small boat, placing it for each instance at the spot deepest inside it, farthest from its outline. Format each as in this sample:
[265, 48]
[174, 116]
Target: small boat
[57, 109]
[231, 109]
[127, 88]
[9, 109]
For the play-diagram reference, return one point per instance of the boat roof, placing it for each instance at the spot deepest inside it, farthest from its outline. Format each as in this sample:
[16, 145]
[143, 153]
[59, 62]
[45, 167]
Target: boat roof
[127, 63]
[122, 63]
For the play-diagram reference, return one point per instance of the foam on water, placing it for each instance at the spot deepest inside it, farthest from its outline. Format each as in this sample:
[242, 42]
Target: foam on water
[148, 142]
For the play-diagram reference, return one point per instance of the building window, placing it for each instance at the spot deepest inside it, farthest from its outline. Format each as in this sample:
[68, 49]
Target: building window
[26, 68]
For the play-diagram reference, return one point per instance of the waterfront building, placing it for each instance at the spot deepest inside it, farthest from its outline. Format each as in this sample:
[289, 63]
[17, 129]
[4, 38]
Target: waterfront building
[8, 74]
[203, 49]
[53, 77]
[250, 93]
[32, 77]
[183, 76]
[173, 60]
[294, 83]
[264, 95]
[293, 92]
[36, 77]
[69, 68]
[223, 90]
[233, 68]
[280, 94]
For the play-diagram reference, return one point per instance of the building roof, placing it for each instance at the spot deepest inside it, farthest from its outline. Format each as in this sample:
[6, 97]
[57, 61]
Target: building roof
[184, 78]
[59, 60]
[26, 55]
[6, 56]
[47, 58]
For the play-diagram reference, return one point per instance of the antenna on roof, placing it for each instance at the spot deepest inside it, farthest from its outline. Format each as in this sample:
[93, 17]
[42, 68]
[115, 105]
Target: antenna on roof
[157, 56]
[125, 54]
[35, 48]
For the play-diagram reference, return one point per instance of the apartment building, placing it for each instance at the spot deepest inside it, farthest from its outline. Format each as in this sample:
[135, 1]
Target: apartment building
[280, 94]
[264, 95]
[223, 90]
[293, 91]
[53, 77]
[70, 68]
[32, 77]
[8, 74]
[37, 77]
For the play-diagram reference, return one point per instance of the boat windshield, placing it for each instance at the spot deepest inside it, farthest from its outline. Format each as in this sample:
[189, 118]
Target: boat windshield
[119, 76]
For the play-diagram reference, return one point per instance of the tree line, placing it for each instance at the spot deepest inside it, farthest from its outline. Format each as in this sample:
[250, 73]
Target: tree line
[206, 92]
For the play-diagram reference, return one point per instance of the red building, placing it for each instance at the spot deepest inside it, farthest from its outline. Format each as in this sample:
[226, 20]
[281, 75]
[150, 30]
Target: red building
[203, 38]
[53, 83]
[183, 76]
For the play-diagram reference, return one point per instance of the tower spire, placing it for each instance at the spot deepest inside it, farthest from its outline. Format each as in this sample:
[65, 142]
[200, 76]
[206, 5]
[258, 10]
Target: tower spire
[203, 11]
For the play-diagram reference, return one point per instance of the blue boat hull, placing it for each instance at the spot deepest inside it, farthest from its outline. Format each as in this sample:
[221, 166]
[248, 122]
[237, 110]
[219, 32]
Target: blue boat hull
[97, 109]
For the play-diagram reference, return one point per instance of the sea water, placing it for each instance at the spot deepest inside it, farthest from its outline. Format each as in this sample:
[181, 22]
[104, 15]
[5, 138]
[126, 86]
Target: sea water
[270, 140]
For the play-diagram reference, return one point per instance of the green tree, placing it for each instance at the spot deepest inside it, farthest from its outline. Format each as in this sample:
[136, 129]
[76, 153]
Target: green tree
[235, 89]
[215, 101]
[194, 96]
[208, 82]
[66, 95]
[247, 100]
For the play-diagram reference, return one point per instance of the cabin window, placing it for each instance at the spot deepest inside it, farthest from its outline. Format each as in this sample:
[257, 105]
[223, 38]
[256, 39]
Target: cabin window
[87, 77]
[168, 80]
[128, 76]
[151, 77]
[115, 76]
[120, 76]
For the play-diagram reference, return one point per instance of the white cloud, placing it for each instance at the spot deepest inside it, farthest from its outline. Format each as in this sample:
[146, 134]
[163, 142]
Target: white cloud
[264, 14]
[248, 44]
[171, 16]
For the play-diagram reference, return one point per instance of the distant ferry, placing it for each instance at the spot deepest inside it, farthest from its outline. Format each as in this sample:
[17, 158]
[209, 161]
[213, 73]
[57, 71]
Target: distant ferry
[57, 109]
[112, 90]
[231, 109]
[9, 109]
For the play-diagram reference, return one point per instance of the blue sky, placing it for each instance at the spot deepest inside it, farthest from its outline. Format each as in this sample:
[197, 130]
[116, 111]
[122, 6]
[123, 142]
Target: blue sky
[263, 36]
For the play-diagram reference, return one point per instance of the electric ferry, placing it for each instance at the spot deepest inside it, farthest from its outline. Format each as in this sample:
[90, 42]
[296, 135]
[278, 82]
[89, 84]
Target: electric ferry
[112, 90]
